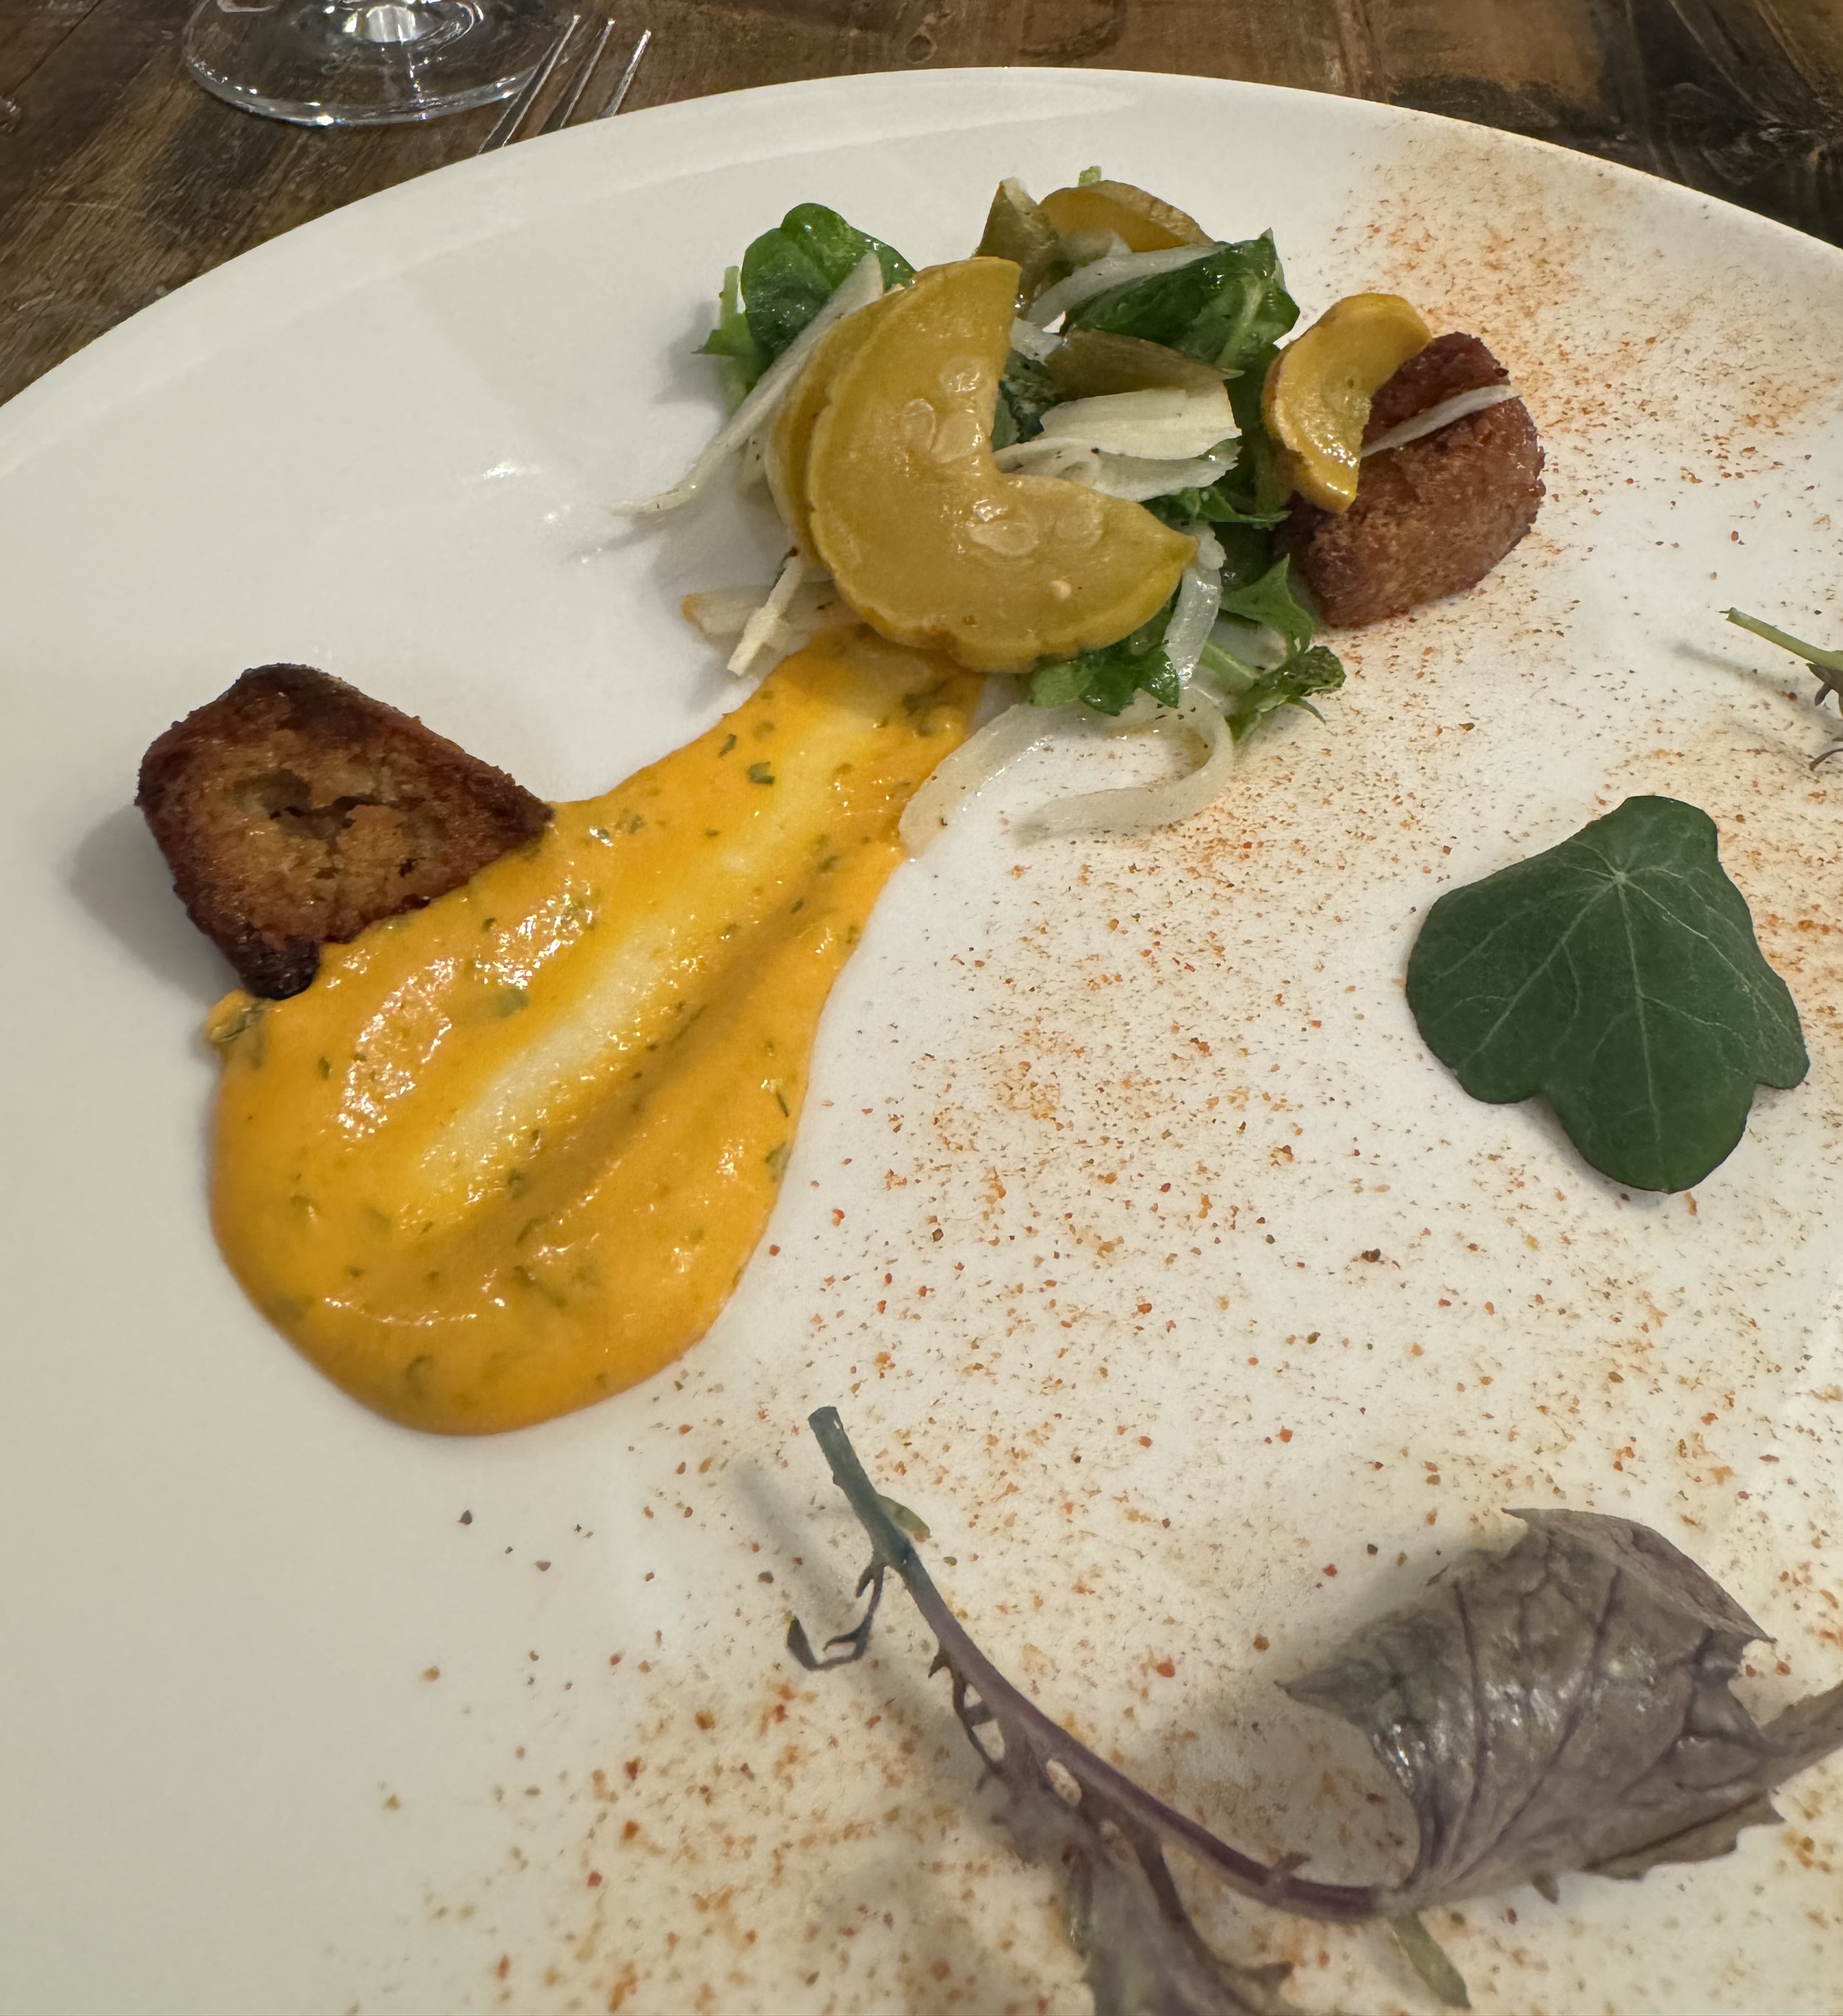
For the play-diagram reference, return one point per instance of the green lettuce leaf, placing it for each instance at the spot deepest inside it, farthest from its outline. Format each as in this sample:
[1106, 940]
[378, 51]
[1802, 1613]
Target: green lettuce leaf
[1229, 308]
[1271, 600]
[1107, 679]
[786, 276]
[1026, 392]
[1253, 691]
[740, 361]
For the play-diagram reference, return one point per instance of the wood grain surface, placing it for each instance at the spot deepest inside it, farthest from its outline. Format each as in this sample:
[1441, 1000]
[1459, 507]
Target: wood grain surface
[120, 180]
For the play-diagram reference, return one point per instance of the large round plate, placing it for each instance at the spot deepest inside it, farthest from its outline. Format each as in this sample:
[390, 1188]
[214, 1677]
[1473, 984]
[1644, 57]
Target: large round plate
[1147, 1253]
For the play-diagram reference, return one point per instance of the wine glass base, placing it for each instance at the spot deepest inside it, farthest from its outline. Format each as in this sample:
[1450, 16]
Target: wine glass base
[318, 62]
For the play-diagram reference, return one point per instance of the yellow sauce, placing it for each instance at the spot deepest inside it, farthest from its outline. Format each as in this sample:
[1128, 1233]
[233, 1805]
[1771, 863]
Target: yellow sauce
[509, 1153]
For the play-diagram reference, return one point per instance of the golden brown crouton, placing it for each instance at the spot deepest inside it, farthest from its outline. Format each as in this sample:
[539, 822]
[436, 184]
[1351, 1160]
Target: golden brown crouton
[1431, 517]
[293, 810]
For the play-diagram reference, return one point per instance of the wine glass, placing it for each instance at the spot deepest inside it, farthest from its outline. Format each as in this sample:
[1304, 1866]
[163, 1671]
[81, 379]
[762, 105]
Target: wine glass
[366, 63]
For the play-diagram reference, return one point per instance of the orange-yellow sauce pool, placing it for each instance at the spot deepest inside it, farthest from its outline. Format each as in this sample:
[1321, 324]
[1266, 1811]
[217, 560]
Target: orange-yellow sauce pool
[509, 1153]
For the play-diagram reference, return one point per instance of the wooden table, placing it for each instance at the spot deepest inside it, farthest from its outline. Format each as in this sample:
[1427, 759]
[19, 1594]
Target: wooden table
[120, 180]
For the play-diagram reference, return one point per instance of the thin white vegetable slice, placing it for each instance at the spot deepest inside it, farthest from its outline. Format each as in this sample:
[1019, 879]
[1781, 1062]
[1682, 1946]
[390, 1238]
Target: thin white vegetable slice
[1139, 807]
[862, 286]
[1030, 341]
[1043, 455]
[764, 628]
[1461, 406]
[1163, 423]
[1139, 480]
[752, 467]
[722, 614]
[1134, 478]
[1200, 596]
[1115, 270]
[993, 748]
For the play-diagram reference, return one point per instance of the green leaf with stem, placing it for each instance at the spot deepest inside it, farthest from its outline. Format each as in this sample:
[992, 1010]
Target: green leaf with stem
[1826, 665]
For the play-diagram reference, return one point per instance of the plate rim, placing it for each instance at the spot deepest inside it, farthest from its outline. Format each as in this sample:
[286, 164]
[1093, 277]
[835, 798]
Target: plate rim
[114, 348]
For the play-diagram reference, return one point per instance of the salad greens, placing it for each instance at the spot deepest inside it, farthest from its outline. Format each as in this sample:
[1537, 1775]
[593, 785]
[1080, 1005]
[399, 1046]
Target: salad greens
[1562, 1707]
[1107, 680]
[1229, 308]
[1251, 693]
[1618, 975]
[787, 275]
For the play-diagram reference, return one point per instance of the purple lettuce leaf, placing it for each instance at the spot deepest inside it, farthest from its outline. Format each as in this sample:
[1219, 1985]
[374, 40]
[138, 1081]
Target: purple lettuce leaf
[1564, 1706]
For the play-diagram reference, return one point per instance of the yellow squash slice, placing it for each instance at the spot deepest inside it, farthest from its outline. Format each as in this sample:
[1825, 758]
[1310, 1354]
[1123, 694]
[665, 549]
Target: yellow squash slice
[1316, 401]
[790, 440]
[927, 541]
[1016, 229]
[1140, 219]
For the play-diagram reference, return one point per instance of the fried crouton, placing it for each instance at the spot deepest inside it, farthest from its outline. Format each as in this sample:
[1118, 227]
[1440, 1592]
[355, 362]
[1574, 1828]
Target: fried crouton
[294, 810]
[1435, 516]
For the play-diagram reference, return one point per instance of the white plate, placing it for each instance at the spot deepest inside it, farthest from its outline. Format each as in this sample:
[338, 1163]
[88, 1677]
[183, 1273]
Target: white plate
[1105, 1138]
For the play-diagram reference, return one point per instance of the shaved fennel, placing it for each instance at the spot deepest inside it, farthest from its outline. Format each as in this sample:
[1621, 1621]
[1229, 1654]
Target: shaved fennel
[864, 286]
[1461, 406]
[1138, 808]
[722, 614]
[763, 628]
[1165, 423]
[1105, 274]
[1030, 341]
[1200, 596]
[1133, 477]
[995, 747]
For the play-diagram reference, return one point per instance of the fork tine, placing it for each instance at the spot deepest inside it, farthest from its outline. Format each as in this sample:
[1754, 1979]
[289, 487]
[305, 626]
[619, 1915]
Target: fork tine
[566, 105]
[628, 75]
[510, 120]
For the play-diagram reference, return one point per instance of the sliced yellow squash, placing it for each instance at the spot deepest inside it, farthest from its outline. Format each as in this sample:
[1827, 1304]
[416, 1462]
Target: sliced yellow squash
[1146, 223]
[1090, 363]
[926, 539]
[1316, 401]
[1017, 228]
[790, 438]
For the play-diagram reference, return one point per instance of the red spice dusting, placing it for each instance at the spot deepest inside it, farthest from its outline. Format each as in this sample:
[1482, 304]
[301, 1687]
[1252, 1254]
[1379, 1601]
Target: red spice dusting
[594, 1879]
[1164, 1667]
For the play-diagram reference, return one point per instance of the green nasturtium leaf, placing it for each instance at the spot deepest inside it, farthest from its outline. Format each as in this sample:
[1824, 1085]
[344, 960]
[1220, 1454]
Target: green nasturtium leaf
[1618, 975]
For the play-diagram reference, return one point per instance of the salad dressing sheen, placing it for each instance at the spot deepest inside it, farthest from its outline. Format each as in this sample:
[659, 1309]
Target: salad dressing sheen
[509, 1153]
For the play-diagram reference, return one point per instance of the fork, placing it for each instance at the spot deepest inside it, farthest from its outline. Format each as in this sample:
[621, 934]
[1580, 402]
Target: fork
[506, 128]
